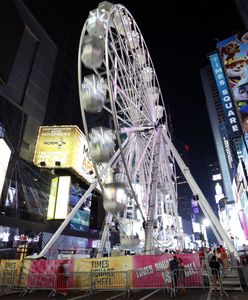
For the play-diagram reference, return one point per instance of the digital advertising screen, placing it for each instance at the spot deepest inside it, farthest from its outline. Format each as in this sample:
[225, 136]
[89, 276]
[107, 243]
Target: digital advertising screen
[76, 193]
[4, 162]
[234, 54]
[81, 221]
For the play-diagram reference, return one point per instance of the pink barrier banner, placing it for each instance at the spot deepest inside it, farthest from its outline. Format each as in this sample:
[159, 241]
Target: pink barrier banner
[153, 270]
[41, 273]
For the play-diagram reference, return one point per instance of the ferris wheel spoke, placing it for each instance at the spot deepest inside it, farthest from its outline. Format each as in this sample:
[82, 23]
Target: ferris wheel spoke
[142, 156]
[118, 117]
[130, 80]
[130, 100]
[126, 100]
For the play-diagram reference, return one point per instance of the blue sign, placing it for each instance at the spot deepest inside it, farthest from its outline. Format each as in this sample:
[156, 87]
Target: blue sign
[226, 98]
[81, 221]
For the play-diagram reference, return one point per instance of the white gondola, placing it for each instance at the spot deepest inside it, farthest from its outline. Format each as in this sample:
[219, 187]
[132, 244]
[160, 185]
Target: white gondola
[114, 197]
[93, 52]
[133, 39]
[140, 56]
[159, 111]
[147, 74]
[93, 93]
[152, 94]
[97, 20]
[101, 144]
[122, 22]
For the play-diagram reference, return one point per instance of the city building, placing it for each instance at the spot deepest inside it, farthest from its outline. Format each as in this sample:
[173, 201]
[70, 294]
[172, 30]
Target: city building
[35, 88]
[224, 113]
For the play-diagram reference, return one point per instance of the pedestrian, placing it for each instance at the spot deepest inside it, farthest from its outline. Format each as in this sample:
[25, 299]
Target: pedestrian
[210, 255]
[181, 278]
[215, 270]
[224, 256]
[174, 267]
[62, 278]
[219, 259]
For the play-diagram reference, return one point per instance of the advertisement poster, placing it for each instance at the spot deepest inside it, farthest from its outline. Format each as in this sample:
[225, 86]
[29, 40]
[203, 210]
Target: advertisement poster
[101, 269]
[229, 108]
[152, 271]
[41, 273]
[64, 147]
[234, 54]
[11, 270]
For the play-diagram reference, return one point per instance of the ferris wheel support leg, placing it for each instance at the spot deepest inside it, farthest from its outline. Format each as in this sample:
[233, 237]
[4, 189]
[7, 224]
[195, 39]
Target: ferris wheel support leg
[203, 202]
[105, 234]
[66, 221]
[213, 228]
[149, 226]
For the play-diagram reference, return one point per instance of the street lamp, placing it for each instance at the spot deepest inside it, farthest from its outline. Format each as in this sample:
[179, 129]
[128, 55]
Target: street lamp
[206, 222]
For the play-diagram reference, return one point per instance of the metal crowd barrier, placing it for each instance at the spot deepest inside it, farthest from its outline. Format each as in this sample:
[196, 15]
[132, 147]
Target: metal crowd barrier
[41, 281]
[110, 280]
[81, 281]
[175, 282]
[195, 278]
[12, 279]
[155, 280]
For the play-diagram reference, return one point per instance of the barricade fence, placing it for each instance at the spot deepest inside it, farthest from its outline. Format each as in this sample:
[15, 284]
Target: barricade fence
[195, 278]
[172, 281]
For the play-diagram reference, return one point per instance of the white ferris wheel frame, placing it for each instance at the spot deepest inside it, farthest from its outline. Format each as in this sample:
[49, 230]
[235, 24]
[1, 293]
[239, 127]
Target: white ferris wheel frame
[161, 153]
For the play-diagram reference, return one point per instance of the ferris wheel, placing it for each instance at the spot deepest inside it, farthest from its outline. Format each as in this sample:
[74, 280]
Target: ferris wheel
[130, 146]
[117, 81]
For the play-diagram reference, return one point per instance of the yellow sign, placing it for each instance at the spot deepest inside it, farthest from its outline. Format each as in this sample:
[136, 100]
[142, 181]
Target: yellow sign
[64, 147]
[11, 272]
[107, 272]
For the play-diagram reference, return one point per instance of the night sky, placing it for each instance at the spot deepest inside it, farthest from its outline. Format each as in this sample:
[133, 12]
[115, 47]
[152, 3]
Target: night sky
[179, 37]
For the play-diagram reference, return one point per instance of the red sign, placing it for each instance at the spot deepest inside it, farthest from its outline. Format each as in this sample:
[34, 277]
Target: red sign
[44, 273]
[152, 271]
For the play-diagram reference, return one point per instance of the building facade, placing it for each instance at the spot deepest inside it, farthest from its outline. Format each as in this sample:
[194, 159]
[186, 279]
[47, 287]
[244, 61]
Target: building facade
[35, 81]
[228, 137]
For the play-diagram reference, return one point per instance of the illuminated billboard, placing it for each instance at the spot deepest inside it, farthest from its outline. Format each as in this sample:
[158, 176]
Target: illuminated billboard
[229, 108]
[4, 161]
[63, 147]
[59, 198]
[233, 52]
[81, 221]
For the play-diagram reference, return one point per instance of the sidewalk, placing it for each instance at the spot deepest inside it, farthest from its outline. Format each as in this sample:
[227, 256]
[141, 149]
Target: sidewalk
[189, 294]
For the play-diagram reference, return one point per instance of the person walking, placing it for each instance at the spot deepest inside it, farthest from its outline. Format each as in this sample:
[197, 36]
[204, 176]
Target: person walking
[215, 270]
[62, 279]
[219, 259]
[181, 274]
[174, 267]
[224, 256]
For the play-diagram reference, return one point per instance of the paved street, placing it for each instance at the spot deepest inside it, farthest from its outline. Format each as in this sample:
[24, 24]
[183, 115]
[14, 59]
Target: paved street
[190, 294]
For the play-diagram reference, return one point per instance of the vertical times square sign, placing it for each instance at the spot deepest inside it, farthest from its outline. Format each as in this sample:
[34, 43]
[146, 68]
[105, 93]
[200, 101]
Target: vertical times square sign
[226, 98]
